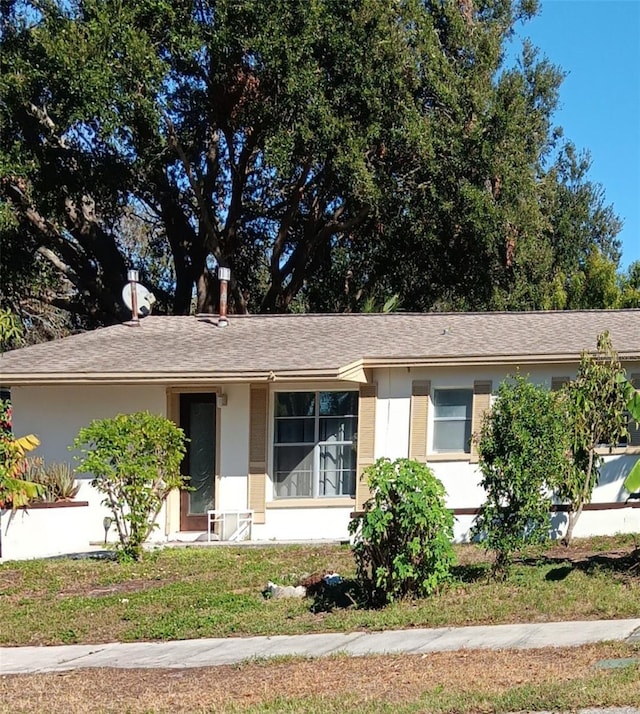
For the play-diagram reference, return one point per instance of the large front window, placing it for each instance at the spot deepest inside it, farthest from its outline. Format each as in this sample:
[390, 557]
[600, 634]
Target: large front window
[314, 452]
[452, 420]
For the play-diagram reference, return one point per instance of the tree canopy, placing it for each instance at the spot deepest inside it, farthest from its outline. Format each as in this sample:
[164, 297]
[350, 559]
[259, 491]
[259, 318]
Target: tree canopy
[327, 151]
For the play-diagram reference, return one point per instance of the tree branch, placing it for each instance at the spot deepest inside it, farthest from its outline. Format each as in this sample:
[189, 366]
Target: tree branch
[297, 191]
[194, 182]
[60, 265]
[41, 114]
[238, 183]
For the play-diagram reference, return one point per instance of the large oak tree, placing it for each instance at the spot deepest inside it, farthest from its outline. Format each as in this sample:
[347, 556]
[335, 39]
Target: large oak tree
[325, 151]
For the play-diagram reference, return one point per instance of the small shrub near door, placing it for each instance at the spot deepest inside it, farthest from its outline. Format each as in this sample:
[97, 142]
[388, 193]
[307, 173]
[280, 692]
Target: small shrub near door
[135, 461]
[403, 539]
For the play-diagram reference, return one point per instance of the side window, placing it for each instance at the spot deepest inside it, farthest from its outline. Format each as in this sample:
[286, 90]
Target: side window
[452, 420]
[314, 449]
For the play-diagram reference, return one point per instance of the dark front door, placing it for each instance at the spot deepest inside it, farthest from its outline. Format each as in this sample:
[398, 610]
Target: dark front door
[198, 419]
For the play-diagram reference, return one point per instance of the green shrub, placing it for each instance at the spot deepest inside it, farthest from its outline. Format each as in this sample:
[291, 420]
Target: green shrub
[597, 402]
[523, 447]
[402, 542]
[135, 461]
[57, 480]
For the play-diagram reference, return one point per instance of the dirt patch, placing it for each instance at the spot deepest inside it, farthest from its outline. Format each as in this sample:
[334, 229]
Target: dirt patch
[574, 554]
[580, 552]
[10, 579]
[623, 561]
[124, 588]
[392, 678]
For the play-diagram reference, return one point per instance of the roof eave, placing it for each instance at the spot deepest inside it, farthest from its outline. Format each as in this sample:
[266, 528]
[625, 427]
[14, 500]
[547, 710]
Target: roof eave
[357, 371]
[168, 379]
[483, 360]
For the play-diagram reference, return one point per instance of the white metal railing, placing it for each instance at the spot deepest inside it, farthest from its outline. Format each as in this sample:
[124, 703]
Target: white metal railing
[233, 525]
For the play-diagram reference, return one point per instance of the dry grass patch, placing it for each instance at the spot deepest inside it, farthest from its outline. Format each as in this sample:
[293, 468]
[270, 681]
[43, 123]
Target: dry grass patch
[357, 683]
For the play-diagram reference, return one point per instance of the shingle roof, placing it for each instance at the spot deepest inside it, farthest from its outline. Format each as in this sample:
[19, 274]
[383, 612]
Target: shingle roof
[167, 349]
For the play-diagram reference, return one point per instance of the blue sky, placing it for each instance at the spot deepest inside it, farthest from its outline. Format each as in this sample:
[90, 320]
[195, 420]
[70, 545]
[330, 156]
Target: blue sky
[597, 44]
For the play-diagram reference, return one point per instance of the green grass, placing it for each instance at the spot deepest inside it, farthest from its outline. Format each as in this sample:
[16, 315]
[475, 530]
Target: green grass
[217, 592]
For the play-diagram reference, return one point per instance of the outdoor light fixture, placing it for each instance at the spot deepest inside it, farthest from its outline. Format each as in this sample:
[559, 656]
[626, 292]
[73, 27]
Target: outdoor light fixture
[107, 521]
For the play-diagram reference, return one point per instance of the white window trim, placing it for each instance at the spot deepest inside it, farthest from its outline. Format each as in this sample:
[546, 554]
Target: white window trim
[431, 451]
[316, 497]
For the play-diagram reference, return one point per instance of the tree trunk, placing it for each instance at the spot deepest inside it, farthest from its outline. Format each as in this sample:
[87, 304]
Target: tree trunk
[573, 519]
[584, 497]
[208, 298]
[181, 237]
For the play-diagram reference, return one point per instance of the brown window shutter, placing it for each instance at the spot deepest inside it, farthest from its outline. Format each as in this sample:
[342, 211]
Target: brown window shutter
[634, 431]
[558, 382]
[173, 407]
[366, 439]
[420, 395]
[257, 482]
[481, 403]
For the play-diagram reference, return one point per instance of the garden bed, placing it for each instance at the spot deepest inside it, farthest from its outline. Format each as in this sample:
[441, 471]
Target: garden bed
[42, 530]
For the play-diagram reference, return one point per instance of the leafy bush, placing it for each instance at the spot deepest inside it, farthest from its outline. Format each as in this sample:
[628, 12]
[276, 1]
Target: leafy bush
[523, 446]
[11, 330]
[632, 482]
[56, 480]
[135, 460]
[597, 401]
[402, 541]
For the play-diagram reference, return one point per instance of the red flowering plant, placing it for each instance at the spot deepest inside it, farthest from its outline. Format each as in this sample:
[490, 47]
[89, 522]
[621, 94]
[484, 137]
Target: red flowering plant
[6, 412]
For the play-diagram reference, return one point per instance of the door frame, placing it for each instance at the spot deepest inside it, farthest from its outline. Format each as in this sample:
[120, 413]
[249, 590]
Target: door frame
[175, 518]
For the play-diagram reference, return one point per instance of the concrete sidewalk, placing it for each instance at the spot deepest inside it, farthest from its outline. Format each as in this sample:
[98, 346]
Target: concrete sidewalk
[211, 652]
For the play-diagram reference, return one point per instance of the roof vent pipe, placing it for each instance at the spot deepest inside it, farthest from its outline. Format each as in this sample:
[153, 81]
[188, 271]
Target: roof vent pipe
[132, 277]
[224, 274]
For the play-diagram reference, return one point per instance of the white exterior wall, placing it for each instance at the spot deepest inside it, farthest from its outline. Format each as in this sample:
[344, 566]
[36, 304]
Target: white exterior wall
[461, 479]
[393, 409]
[43, 532]
[234, 448]
[296, 524]
[56, 414]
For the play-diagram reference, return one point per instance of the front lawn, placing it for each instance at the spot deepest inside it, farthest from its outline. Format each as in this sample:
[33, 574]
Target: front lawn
[180, 593]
